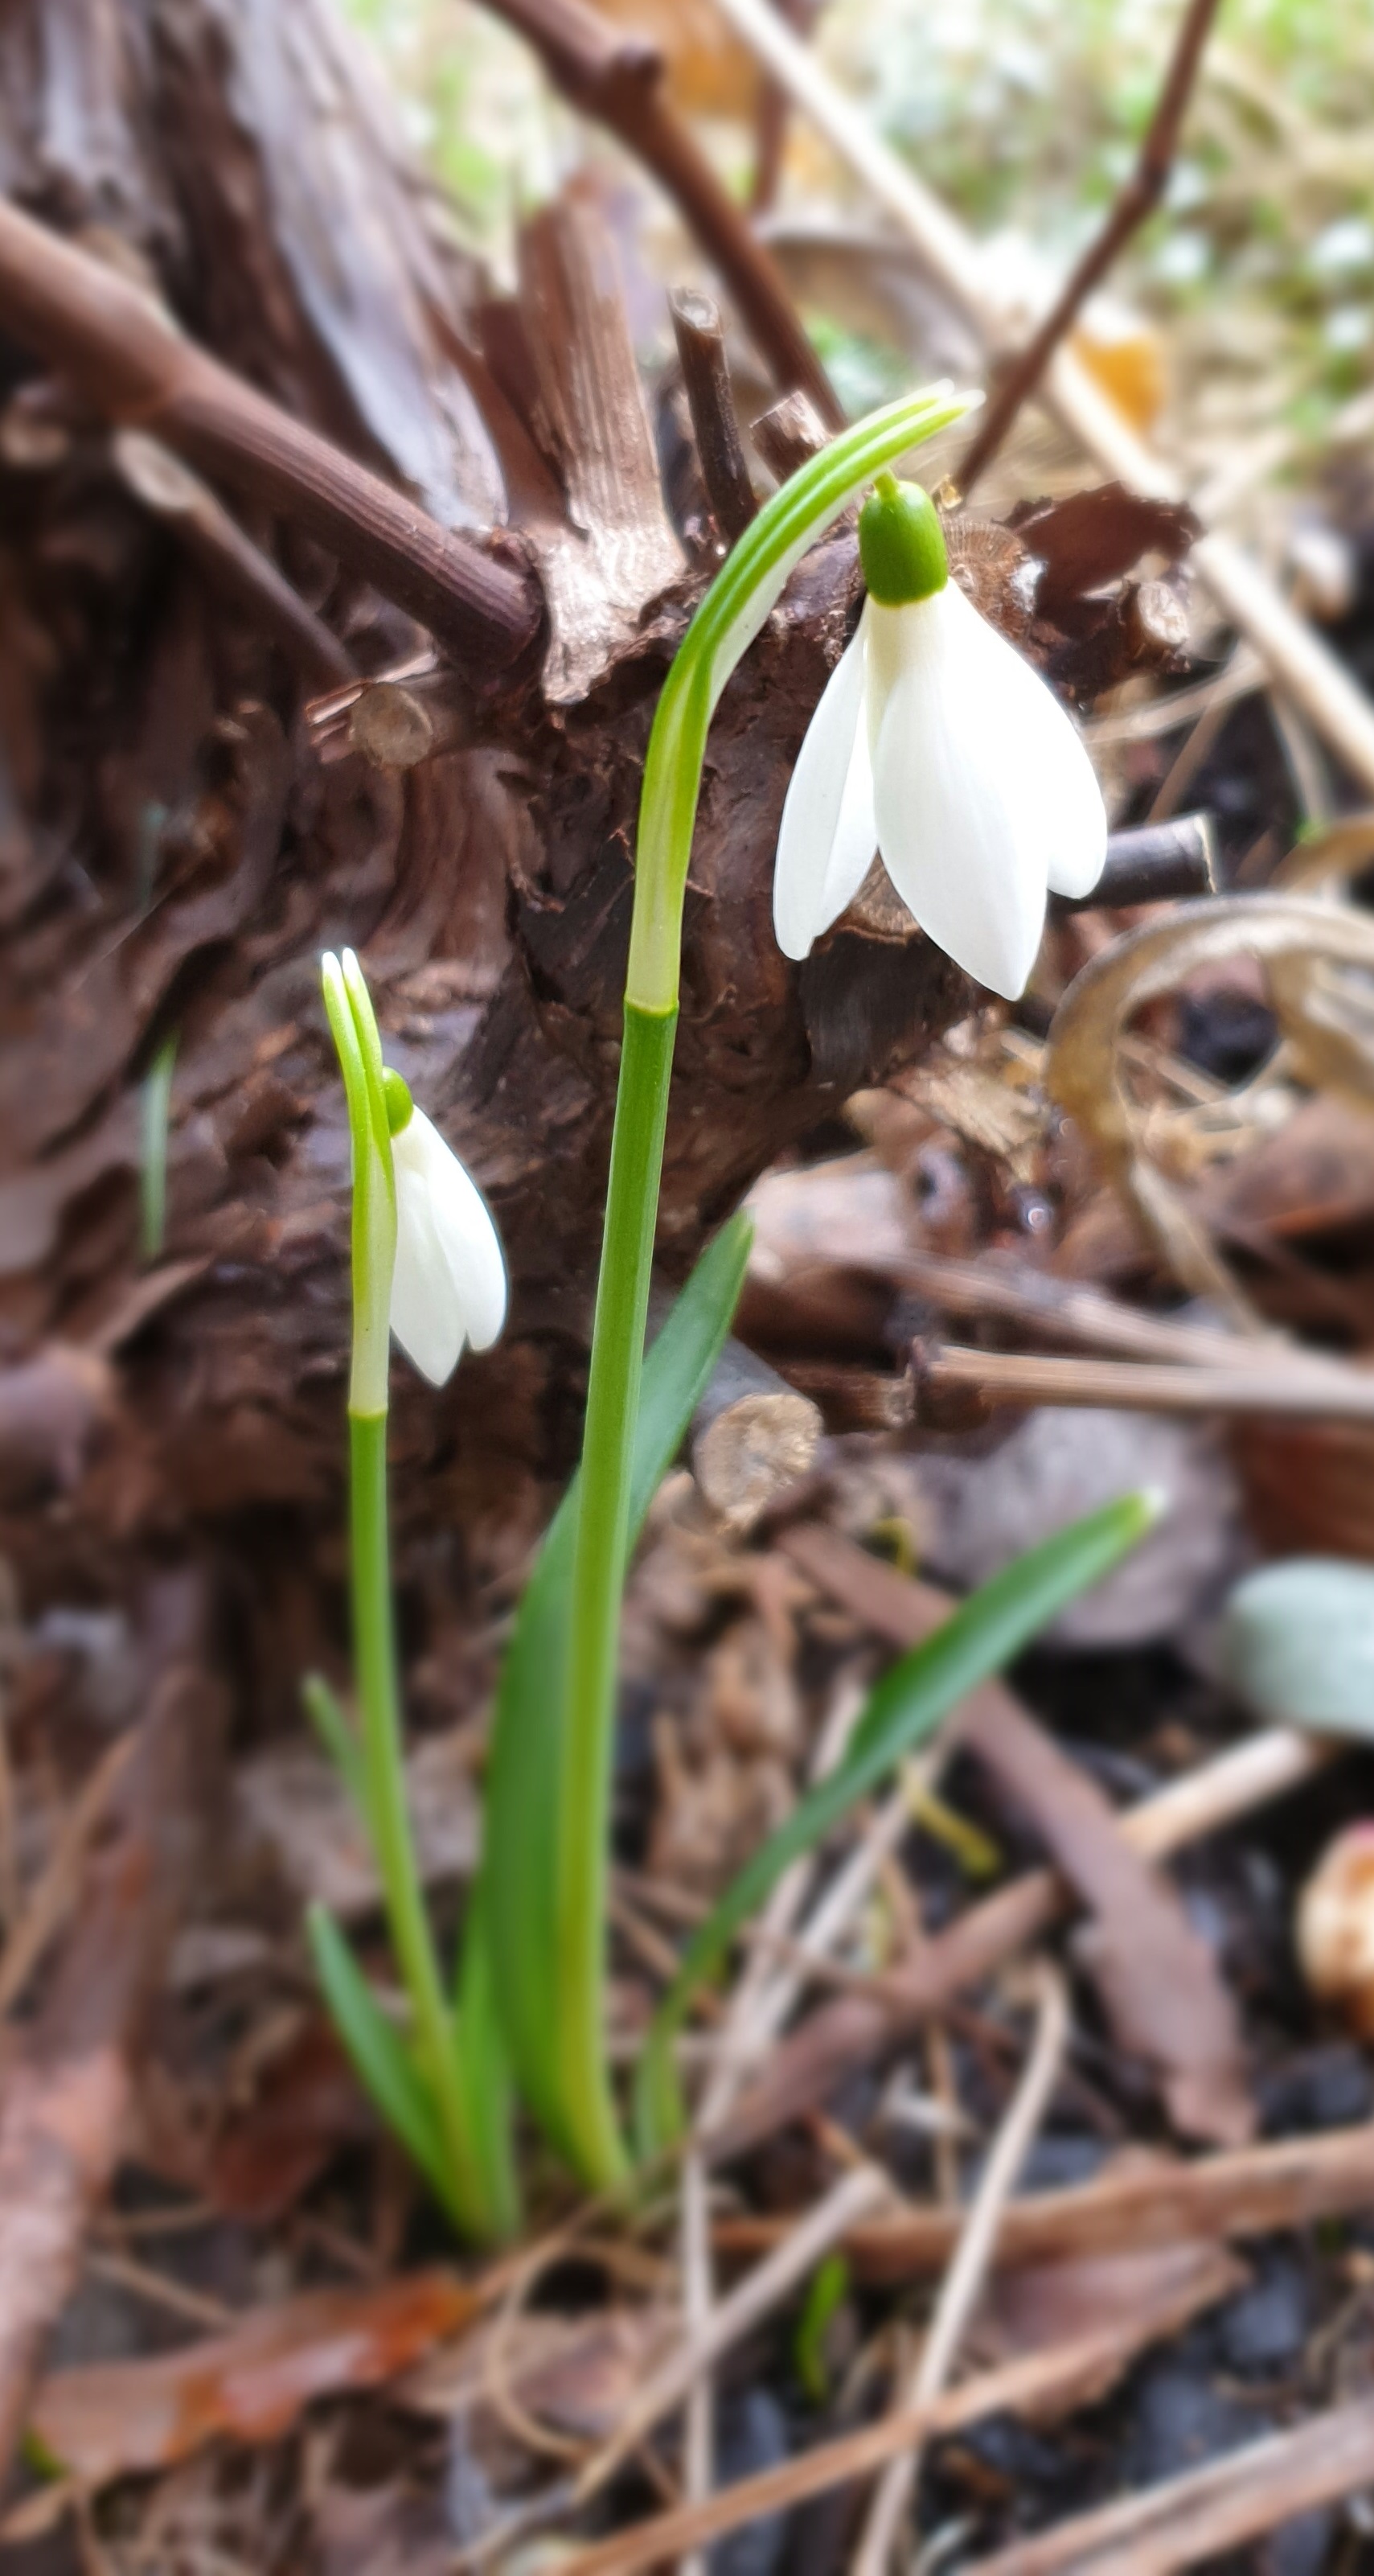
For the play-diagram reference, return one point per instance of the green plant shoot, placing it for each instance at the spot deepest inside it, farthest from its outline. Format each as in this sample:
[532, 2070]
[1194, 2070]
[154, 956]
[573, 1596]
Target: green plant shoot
[425, 2081]
[559, 2051]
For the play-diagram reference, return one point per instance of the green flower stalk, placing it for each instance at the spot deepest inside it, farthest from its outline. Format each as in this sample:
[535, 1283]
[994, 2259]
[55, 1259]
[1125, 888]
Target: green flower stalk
[563, 2069]
[426, 1263]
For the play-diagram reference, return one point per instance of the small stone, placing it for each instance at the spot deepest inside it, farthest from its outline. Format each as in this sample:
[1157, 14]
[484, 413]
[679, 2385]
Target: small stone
[1324, 2088]
[1264, 2331]
[1298, 1643]
[751, 2435]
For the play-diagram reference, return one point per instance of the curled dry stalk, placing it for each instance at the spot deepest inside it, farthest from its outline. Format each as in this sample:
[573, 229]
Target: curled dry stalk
[1317, 955]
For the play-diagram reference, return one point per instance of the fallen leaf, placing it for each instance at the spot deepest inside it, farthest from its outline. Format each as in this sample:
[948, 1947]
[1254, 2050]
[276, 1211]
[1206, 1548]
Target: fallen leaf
[1092, 538]
[306, 2107]
[1159, 1983]
[118, 2419]
[1045, 2304]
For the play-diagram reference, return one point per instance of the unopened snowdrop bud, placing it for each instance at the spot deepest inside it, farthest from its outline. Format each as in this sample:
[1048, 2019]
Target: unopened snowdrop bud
[1335, 1928]
[427, 1260]
[937, 745]
[449, 1283]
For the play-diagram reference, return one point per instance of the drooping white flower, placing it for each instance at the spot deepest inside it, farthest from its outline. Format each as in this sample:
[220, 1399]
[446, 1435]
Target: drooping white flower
[937, 745]
[448, 1285]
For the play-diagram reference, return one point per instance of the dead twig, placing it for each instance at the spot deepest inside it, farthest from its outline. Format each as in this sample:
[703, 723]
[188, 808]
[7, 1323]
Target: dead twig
[1206, 2512]
[1137, 199]
[698, 2302]
[1066, 1311]
[755, 2297]
[617, 78]
[701, 356]
[1298, 1388]
[124, 354]
[1157, 863]
[228, 557]
[1146, 2202]
[972, 2260]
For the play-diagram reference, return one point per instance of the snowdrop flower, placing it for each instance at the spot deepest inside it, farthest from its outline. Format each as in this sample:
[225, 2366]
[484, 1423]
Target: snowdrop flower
[427, 1260]
[936, 744]
[449, 1283]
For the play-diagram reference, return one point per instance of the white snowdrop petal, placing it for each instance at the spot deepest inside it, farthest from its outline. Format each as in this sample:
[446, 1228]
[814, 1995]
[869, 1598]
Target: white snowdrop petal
[426, 1317]
[473, 1250]
[1078, 846]
[828, 833]
[1025, 729]
[957, 825]
[449, 1281]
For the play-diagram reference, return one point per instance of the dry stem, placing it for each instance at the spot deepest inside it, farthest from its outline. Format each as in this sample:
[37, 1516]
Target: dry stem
[973, 2257]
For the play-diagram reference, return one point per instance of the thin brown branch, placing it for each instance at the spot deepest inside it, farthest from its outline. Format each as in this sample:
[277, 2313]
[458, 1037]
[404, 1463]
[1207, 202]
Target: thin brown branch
[701, 355]
[228, 557]
[127, 358]
[1137, 199]
[1063, 1309]
[1296, 1387]
[617, 78]
[1243, 2192]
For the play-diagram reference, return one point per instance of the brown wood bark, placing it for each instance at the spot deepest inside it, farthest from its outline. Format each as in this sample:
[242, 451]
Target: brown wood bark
[176, 846]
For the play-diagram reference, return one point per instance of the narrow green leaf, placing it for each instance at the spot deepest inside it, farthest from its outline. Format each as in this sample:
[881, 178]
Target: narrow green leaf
[154, 1121]
[378, 2054]
[484, 2080]
[908, 1704]
[514, 1908]
[339, 1739]
[826, 2292]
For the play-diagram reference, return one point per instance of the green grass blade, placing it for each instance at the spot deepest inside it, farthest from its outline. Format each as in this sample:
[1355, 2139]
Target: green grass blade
[378, 2055]
[339, 1739]
[514, 1908]
[906, 1707]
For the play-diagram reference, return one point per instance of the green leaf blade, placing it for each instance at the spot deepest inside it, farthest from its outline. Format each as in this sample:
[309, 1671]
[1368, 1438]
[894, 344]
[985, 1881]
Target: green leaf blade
[378, 2056]
[514, 1913]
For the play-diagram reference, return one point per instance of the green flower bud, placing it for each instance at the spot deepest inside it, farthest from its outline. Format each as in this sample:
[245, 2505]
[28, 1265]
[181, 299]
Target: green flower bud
[901, 544]
[399, 1104]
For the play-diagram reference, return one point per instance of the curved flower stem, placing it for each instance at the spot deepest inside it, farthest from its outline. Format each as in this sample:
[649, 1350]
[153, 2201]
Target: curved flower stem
[725, 624]
[383, 1768]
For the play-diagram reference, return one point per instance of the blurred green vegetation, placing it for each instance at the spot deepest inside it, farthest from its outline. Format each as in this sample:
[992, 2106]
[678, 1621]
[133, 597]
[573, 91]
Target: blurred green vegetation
[1026, 114]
